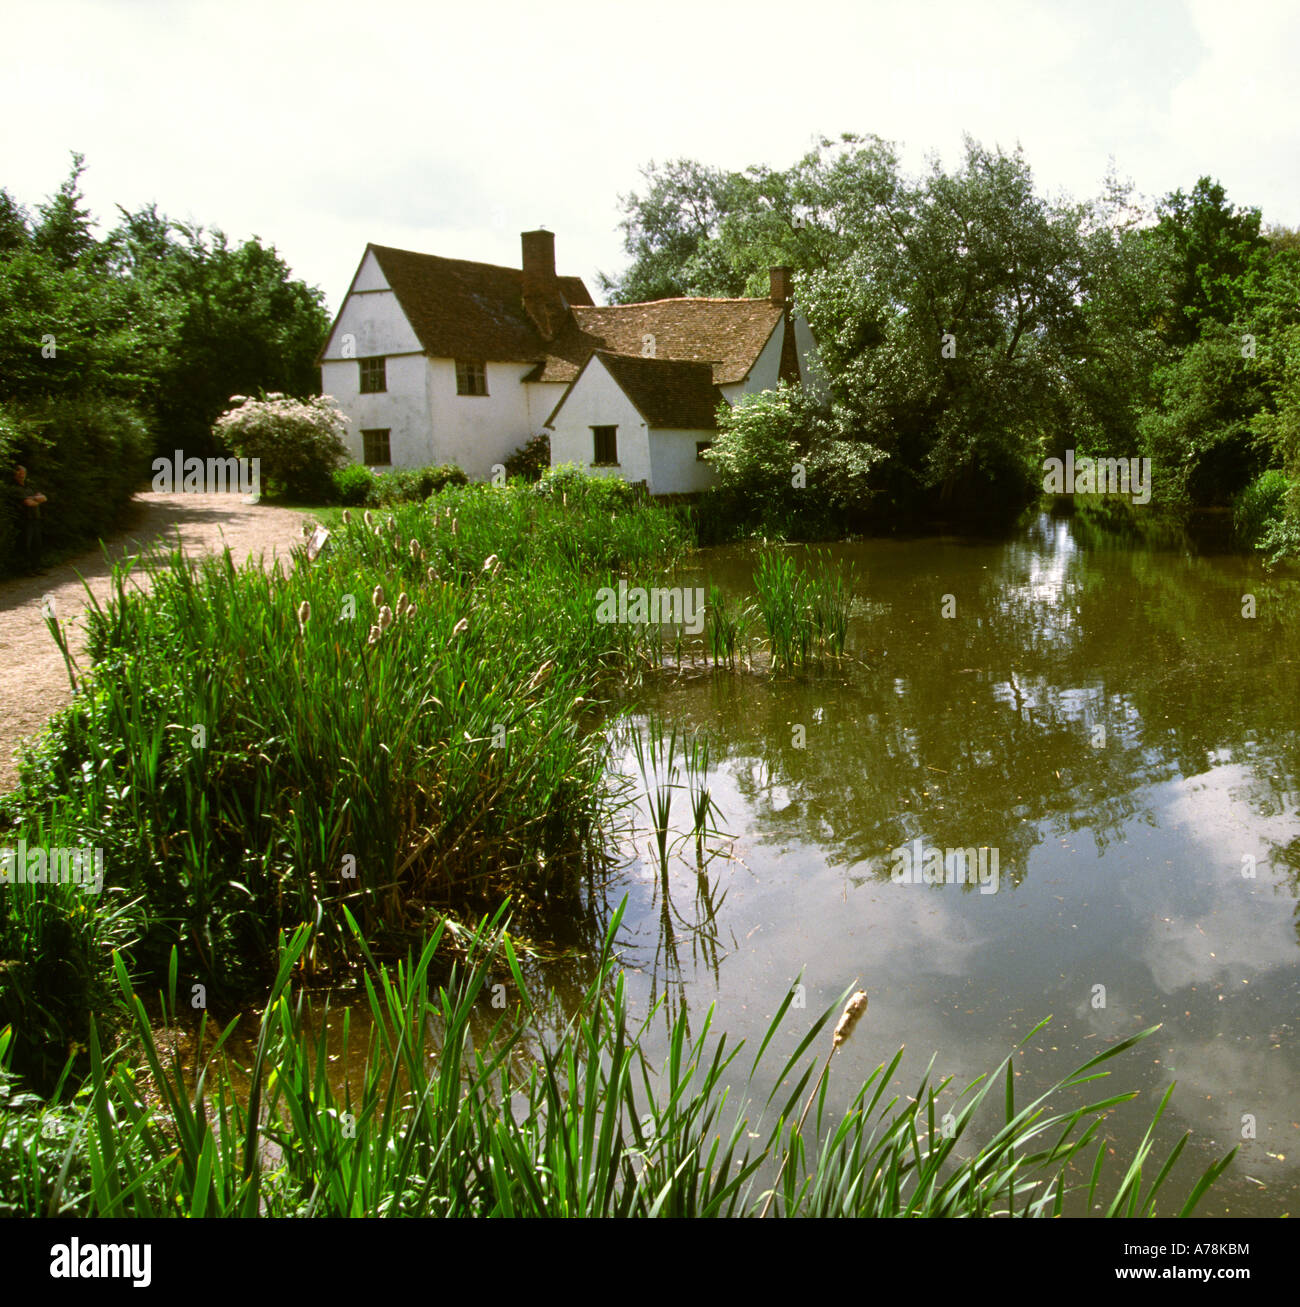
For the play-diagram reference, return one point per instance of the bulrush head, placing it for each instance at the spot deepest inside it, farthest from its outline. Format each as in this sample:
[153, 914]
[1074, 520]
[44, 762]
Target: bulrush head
[385, 618]
[541, 676]
[304, 616]
[462, 625]
[377, 598]
[852, 1013]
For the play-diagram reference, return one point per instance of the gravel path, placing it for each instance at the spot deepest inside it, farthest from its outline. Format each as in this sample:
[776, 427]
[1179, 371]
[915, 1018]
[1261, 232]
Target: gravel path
[33, 679]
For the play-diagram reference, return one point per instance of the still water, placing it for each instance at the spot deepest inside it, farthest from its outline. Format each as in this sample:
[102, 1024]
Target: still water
[1106, 716]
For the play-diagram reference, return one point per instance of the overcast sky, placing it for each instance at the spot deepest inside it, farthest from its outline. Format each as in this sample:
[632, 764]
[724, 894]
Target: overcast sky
[451, 128]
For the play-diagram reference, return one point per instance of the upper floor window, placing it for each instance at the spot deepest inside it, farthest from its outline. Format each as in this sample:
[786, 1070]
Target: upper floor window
[374, 375]
[605, 440]
[471, 378]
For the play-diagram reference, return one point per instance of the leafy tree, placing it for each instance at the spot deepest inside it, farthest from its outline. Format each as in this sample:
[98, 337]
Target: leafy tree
[950, 309]
[63, 231]
[15, 225]
[1202, 436]
[1215, 255]
[217, 318]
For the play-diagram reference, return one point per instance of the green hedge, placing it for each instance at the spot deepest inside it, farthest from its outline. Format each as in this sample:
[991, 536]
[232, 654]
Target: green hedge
[356, 486]
[87, 455]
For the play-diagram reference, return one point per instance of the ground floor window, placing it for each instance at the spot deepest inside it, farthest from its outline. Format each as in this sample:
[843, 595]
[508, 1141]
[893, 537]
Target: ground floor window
[374, 450]
[701, 447]
[605, 440]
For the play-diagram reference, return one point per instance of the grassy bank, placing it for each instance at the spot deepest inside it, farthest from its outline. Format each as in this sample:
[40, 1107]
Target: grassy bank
[405, 726]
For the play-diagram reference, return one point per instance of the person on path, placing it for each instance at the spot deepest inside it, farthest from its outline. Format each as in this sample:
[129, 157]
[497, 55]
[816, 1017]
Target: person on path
[28, 500]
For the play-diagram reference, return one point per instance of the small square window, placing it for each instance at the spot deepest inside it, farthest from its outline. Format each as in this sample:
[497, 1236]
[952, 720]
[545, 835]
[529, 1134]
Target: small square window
[701, 447]
[375, 451]
[374, 375]
[605, 440]
[471, 378]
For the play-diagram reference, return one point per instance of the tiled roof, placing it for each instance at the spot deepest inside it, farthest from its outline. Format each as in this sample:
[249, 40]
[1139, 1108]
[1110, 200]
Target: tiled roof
[728, 334]
[669, 393]
[467, 310]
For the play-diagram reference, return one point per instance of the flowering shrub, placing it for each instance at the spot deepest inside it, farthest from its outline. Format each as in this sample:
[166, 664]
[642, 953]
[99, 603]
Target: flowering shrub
[299, 441]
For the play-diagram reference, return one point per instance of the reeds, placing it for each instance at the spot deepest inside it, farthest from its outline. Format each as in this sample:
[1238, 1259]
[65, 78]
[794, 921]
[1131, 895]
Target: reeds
[805, 610]
[254, 750]
[477, 1122]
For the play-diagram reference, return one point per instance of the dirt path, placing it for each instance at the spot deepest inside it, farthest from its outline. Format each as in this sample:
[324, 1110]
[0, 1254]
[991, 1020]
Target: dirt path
[33, 679]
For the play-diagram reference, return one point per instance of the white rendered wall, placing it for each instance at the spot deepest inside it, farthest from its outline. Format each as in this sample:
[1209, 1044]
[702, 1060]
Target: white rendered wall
[766, 370]
[543, 396]
[476, 431]
[597, 400]
[403, 408]
[676, 470]
[371, 324]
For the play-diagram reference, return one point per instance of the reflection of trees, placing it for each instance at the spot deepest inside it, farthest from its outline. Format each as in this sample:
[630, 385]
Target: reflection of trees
[978, 730]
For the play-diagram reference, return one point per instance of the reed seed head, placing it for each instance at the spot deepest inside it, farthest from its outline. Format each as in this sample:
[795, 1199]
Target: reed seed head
[347, 517]
[377, 597]
[417, 551]
[462, 625]
[375, 633]
[432, 575]
[369, 518]
[385, 618]
[853, 1011]
[304, 616]
[489, 562]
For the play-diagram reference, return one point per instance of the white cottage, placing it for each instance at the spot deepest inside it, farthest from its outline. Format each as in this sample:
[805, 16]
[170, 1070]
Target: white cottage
[446, 361]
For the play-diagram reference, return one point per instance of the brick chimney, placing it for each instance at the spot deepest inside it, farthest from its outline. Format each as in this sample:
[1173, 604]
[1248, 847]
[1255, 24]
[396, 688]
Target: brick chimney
[543, 302]
[781, 279]
[539, 261]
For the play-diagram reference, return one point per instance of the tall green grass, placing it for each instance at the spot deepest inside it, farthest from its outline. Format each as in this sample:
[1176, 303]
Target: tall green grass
[480, 1122]
[402, 727]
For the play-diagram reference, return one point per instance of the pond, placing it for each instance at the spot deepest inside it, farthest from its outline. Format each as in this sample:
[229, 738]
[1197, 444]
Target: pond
[1116, 725]
[1100, 722]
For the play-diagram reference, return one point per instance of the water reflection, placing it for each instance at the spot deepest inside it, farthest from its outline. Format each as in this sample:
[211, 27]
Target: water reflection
[1104, 713]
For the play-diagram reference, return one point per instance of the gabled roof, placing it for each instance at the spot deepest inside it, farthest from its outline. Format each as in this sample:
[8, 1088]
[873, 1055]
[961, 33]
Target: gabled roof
[460, 309]
[727, 334]
[668, 393]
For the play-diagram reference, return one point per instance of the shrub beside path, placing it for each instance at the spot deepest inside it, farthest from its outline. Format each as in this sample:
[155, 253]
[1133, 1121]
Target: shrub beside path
[33, 679]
